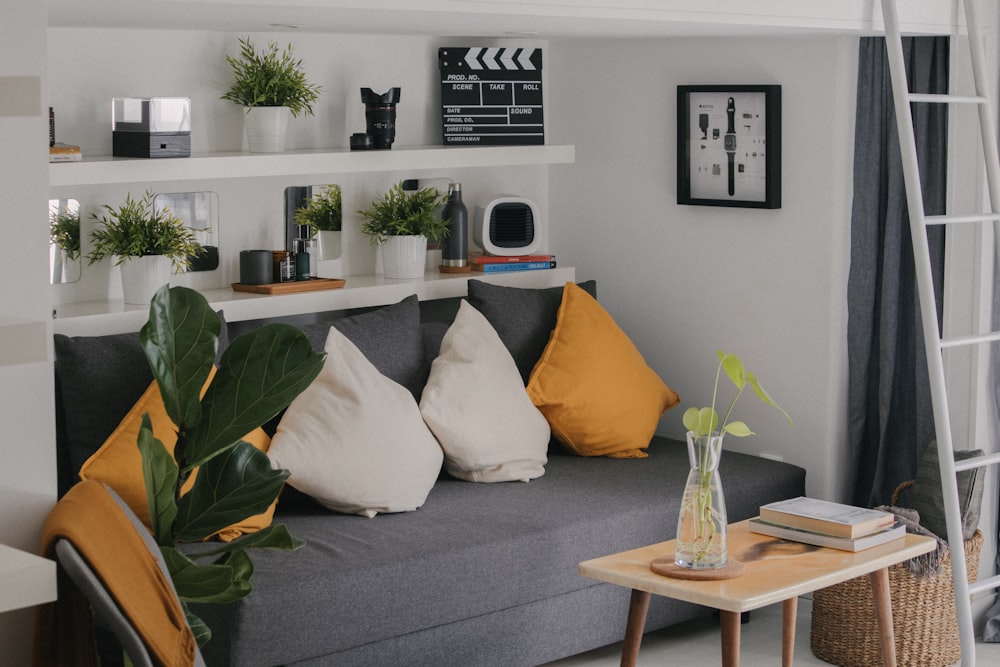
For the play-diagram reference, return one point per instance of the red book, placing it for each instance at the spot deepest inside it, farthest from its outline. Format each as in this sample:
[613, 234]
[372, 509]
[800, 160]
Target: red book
[509, 259]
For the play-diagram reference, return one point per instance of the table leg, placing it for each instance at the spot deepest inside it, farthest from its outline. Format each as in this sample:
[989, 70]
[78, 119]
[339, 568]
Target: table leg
[788, 610]
[883, 615]
[730, 638]
[637, 608]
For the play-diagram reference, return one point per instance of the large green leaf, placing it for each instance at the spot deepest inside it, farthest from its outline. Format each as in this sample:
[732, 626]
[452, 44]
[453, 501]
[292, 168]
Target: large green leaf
[202, 633]
[701, 421]
[180, 339]
[228, 488]
[275, 536]
[259, 375]
[160, 474]
[733, 367]
[223, 581]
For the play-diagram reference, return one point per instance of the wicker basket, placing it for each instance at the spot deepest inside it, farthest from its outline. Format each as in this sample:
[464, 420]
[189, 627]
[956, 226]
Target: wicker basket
[924, 619]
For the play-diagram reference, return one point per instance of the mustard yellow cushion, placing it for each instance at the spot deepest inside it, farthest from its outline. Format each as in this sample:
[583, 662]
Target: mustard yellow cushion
[119, 465]
[593, 386]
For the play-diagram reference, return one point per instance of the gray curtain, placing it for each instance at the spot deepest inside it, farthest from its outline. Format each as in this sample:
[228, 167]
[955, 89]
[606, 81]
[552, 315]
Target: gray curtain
[889, 403]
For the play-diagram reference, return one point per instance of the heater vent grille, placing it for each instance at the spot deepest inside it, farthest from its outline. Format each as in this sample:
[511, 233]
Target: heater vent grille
[511, 225]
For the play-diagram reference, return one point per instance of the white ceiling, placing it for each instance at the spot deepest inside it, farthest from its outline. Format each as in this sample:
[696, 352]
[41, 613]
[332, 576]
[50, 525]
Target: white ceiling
[506, 18]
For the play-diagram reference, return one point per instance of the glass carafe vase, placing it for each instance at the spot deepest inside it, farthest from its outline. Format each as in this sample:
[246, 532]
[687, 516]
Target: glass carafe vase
[701, 526]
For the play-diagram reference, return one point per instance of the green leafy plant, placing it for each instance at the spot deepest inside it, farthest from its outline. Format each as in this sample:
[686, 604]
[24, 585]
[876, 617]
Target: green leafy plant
[136, 228]
[64, 232]
[323, 212]
[705, 421]
[258, 376]
[398, 213]
[270, 78]
[701, 526]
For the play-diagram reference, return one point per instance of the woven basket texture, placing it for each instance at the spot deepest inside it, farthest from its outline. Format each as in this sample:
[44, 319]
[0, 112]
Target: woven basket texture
[843, 628]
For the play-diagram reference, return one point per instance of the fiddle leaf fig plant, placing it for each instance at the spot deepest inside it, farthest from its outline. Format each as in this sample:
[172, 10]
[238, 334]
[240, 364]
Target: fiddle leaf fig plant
[258, 375]
[705, 421]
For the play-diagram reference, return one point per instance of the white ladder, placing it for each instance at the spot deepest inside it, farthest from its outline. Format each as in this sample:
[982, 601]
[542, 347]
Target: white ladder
[934, 343]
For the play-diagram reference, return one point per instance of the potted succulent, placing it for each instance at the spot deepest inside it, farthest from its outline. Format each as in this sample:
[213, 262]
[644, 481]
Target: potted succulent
[64, 237]
[701, 526]
[258, 376]
[270, 85]
[145, 243]
[401, 223]
[323, 215]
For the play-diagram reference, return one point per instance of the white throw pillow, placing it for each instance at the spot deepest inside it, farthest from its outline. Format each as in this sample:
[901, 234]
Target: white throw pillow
[477, 407]
[354, 439]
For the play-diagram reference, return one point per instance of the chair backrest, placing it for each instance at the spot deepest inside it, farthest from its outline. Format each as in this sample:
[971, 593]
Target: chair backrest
[104, 605]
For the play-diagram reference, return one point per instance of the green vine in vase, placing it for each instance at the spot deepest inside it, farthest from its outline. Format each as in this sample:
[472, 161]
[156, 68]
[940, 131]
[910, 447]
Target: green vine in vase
[704, 424]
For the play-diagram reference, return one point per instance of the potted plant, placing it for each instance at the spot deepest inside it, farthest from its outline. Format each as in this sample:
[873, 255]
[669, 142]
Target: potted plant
[258, 376]
[701, 526]
[323, 215]
[145, 243]
[270, 85]
[64, 237]
[401, 223]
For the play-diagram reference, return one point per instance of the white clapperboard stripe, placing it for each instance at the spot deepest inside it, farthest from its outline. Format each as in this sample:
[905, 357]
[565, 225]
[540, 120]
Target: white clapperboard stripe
[499, 58]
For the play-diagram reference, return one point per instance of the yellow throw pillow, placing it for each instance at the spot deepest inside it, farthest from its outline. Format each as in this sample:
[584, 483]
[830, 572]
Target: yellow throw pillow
[118, 462]
[593, 386]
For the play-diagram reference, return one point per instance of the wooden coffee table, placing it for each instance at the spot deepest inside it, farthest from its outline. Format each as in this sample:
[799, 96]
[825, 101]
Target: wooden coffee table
[775, 571]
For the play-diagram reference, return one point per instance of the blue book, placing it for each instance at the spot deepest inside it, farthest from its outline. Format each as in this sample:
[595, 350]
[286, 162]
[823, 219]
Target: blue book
[496, 267]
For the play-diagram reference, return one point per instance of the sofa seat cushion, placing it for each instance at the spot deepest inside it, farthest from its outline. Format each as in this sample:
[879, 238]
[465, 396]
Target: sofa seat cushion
[472, 549]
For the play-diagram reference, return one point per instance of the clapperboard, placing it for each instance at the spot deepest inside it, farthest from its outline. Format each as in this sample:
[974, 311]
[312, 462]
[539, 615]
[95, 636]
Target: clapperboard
[491, 96]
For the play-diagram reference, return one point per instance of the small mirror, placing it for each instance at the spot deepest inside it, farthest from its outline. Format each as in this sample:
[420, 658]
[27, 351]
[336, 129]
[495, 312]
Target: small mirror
[314, 213]
[200, 212]
[64, 241]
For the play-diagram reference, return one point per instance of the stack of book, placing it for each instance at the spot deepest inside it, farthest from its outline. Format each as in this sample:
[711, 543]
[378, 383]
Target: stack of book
[827, 524]
[59, 152]
[495, 263]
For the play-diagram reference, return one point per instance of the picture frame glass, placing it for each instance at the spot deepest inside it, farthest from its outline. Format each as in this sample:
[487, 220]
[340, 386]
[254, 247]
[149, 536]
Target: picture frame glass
[728, 132]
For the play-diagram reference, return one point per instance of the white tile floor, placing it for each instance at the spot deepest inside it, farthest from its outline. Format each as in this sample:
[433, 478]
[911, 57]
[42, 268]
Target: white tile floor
[696, 643]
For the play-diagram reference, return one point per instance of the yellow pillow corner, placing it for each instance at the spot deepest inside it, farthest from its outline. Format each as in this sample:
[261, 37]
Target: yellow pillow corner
[118, 462]
[593, 385]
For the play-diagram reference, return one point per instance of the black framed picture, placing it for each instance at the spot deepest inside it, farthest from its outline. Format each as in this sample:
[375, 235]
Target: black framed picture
[729, 145]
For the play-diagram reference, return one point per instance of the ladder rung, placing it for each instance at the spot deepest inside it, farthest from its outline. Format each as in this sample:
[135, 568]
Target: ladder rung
[984, 585]
[975, 339]
[956, 219]
[946, 99]
[977, 462]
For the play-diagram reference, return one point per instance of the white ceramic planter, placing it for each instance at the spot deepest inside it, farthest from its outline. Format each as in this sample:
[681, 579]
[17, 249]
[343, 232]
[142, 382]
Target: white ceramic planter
[267, 128]
[329, 244]
[142, 276]
[404, 256]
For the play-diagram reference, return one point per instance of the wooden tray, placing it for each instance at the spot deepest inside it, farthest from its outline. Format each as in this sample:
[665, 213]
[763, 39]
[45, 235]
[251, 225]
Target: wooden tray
[310, 285]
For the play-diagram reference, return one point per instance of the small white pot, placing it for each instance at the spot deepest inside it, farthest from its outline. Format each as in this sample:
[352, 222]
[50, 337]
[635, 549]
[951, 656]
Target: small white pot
[329, 244]
[142, 276]
[267, 128]
[404, 256]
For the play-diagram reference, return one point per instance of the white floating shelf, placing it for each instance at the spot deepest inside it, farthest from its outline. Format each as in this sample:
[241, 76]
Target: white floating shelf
[107, 170]
[26, 580]
[96, 318]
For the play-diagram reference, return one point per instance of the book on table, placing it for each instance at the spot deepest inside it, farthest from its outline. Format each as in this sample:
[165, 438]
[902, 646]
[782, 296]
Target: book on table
[826, 517]
[893, 532]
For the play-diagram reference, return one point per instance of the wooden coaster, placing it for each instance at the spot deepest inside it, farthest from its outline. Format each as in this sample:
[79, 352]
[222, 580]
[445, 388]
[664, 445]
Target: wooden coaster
[666, 566]
[455, 269]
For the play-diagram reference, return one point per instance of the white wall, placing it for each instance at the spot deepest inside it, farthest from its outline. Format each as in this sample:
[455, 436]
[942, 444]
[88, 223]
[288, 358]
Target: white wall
[27, 449]
[767, 285]
[144, 63]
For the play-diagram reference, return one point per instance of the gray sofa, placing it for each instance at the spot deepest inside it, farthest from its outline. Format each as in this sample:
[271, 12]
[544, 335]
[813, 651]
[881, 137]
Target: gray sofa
[481, 574]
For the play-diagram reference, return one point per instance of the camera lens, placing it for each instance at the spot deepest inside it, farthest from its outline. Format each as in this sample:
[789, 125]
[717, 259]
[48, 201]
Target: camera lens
[381, 120]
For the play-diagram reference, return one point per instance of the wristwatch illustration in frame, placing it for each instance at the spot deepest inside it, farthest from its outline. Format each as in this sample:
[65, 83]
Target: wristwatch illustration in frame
[729, 145]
